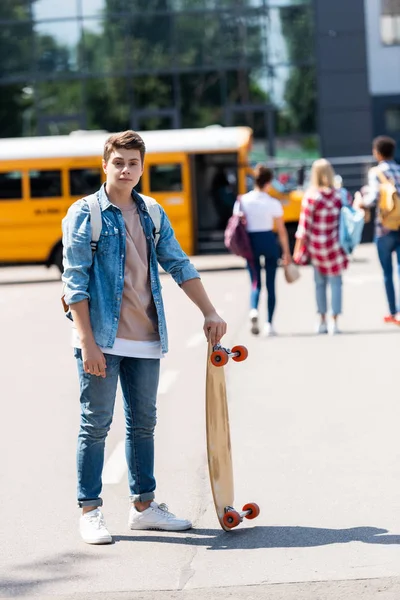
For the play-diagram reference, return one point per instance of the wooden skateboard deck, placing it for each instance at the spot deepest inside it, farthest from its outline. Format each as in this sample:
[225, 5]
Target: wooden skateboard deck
[219, 440]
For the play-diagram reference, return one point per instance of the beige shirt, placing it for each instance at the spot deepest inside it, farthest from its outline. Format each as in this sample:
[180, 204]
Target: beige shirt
[138, 317]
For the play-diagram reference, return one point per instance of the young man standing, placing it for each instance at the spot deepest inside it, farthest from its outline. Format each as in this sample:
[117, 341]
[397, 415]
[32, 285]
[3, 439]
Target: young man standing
[115, 302]
[387, 240]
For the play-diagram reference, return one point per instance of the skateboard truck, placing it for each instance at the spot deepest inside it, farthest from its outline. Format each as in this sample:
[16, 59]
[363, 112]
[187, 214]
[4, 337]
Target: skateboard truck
[232, 518]
[220, 355]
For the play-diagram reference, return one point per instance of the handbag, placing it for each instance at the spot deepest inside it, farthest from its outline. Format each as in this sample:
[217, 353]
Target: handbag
[236, 238]
[291, 272]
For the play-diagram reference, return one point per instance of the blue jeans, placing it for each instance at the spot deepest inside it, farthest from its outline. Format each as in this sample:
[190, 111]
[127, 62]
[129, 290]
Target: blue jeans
[139, 382]
[386, 245]
[263, 243]
[321, 283]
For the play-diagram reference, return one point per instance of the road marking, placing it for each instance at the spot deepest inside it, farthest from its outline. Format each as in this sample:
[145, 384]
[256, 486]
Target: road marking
[167, 379]
[196, 340]
[115, 468]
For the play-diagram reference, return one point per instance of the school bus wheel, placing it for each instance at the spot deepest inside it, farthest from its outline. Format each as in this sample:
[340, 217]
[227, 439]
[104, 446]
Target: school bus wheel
[57, 257]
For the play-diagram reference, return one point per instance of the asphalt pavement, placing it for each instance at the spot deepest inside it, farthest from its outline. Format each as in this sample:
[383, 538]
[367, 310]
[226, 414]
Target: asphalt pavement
[314, 424]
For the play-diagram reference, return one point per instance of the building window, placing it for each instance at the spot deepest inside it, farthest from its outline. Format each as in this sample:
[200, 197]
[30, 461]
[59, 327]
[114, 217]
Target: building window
[390, 22]
[84, 181]
[45, 184]
[11, 185]
[166, 178]
[392, 119]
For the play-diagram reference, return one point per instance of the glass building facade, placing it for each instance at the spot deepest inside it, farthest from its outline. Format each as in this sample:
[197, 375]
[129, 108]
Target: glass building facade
[159, 64]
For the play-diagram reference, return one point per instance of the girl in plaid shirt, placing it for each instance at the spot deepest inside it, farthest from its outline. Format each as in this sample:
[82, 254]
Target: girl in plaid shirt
[318, 241]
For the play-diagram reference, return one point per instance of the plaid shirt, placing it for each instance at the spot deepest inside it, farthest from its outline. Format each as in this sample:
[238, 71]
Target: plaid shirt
[319, 229]
[392, 170]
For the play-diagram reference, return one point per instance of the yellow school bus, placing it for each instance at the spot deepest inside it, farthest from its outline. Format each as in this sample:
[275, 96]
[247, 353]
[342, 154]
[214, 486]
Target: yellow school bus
[195, 174]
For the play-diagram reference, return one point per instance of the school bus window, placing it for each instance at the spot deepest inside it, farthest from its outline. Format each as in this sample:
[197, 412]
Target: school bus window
[84, 181]
[45, 184]
[166, 178]
[11, 185]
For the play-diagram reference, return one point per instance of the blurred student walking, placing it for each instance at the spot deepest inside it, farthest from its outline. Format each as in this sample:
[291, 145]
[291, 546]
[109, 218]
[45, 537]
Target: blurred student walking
[387, 230]
[318, 241]
[261, 213]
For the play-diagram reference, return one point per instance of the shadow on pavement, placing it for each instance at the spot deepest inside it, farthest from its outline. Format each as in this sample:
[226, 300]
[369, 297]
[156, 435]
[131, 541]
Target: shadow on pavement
[266, 537]
[34, 577]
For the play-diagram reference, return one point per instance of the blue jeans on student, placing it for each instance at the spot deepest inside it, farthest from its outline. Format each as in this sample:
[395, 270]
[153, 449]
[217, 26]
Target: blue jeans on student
[139, 382]
[263, 243]
[386, 245]
[321, 283]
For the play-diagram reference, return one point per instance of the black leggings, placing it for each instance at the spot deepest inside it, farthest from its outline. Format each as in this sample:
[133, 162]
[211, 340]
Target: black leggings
[263, 243]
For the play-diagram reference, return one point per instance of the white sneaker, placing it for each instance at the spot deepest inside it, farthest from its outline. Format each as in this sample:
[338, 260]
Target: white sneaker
[156, 516]
[334, 328]
[322, 328]
[93, 529]
[253, 316]
[269, 330]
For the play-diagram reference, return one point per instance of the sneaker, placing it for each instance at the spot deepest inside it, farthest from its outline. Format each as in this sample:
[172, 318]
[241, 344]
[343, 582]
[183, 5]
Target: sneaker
[322, 328]
[395, 319]
[269, 330]
[93, 529]
[156, 516]
[334, 328]
[255, 330]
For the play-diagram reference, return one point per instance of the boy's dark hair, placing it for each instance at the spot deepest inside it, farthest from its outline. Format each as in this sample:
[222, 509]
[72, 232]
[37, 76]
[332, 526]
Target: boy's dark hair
[262, 175]
[129, 140]
[386, 146]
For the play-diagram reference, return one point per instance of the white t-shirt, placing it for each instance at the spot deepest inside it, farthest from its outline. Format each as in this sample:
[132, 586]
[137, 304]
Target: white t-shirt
[260, 210]
[128, 348]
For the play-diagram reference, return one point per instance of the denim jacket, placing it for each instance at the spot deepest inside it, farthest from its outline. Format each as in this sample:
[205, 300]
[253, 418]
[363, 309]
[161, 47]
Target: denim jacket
[100, 278]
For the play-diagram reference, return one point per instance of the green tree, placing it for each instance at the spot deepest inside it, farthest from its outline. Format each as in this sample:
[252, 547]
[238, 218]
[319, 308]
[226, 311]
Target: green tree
[301, 89]
[16, 56]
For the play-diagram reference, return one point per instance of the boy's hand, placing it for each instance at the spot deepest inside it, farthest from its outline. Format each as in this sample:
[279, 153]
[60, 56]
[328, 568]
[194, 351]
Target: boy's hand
[94, 361]
[214, 328]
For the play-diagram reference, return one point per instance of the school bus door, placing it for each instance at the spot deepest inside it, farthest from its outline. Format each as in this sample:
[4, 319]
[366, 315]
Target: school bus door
[166, 178]
[13, 209]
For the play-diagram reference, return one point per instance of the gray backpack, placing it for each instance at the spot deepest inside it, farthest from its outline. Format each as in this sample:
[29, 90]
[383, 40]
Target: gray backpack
[96, 222]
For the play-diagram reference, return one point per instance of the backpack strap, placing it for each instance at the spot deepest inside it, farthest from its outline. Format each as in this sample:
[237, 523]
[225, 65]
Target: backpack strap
[155, 214]
[383, 178]
[95, 220]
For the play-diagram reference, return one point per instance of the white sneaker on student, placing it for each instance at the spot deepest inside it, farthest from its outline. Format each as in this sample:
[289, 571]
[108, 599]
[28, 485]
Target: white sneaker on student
[93, 529]
[322, 328]
[156, 516]
[333, 327]
[269, 330]
[253, 316]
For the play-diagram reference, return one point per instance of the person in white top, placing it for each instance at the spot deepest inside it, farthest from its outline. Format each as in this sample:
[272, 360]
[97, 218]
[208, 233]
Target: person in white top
[261, 215]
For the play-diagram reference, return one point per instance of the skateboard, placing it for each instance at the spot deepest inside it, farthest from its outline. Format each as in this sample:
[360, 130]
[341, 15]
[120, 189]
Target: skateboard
[218, 438]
